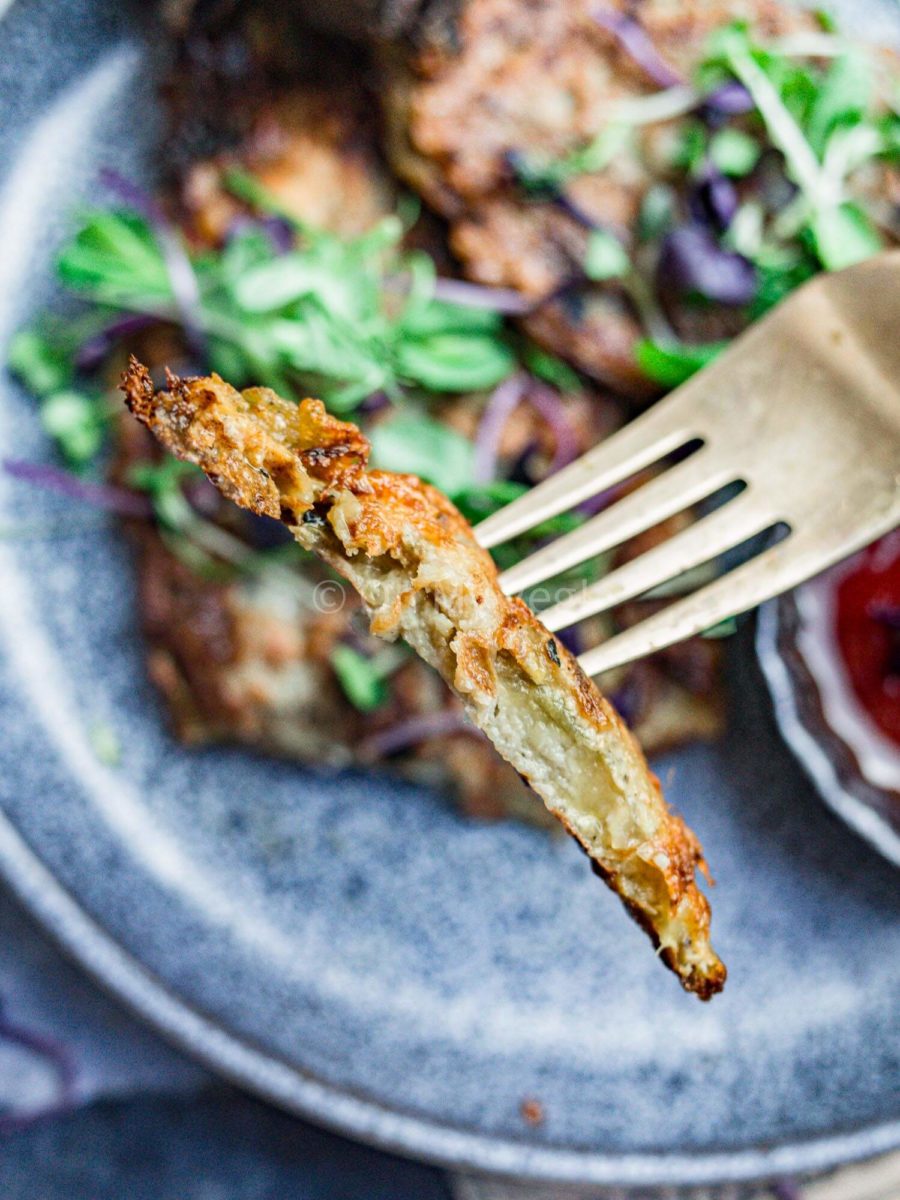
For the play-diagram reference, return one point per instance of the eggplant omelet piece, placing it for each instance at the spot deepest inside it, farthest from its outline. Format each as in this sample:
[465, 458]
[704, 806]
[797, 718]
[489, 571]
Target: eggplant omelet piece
[422, 576]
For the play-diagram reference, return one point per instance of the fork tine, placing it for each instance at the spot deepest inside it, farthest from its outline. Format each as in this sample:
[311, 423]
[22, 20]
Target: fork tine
[712, 535]
[639, 444]
[661, 497]
[770, 573]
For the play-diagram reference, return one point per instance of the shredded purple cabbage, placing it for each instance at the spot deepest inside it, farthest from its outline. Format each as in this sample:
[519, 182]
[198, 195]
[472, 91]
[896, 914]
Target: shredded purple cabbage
[504, 400]
[564, 201]
[278, 230]
[376, 402]
[60, 1059]
[185, 288]
[416, 729]
[730, 99]
[94, 351]
[596, 504]
[473, 295]
[572, 640]
[548, 402]
[630, 697]
[637, 44]
[203, 497]
[786, 1189]
[692, 263]
[118, 500]
[713, 199]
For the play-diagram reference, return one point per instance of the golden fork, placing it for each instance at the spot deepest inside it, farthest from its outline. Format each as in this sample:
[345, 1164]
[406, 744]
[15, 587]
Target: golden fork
[803, 410]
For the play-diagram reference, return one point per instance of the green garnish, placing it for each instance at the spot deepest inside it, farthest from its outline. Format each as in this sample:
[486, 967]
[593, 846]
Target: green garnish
[551, 369]
[419, 445]
[734, 152]
[820, 123]
[78, 423]
[163, 482]
[360, 679]
[40, 365]
[341, 319]
[76, 418]
[670, 365]
[547, 177]
[606, 257]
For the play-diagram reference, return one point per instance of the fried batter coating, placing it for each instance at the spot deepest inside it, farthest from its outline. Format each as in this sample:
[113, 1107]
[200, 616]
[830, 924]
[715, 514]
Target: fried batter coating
[422, 576]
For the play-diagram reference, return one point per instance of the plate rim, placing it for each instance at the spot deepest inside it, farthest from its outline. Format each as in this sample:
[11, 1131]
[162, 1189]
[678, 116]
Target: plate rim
[121, 974]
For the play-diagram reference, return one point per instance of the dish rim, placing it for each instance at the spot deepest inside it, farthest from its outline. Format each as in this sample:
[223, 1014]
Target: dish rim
[362, 1118]
[804, 727]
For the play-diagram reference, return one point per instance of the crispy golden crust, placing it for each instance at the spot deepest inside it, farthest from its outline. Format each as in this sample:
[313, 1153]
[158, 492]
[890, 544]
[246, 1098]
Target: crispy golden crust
[422, 576]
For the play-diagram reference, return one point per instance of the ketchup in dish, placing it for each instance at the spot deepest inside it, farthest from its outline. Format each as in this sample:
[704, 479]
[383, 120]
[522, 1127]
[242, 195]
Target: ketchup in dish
[867, 627]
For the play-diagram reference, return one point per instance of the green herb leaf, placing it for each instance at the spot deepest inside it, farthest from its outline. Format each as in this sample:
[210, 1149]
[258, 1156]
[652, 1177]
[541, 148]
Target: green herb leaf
[671, 365]
[163, 482]
[453, 362]
[76, 422]
[843, 236]
[419, 445]
[114, 259]
[689, 152]
[842, 97]
[606, 257]
[658, 211]
[40, 365]
[734, 152]
[359, 678]
[551, 369]
[724, 629]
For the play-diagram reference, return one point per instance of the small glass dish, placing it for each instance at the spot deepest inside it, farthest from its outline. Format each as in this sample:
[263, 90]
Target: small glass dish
[854, 766]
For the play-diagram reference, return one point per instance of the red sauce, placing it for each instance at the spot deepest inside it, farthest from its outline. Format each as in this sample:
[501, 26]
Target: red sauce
[867, 625]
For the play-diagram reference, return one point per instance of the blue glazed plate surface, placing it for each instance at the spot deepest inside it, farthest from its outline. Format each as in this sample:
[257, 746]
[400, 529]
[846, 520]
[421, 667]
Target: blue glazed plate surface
[347, 945]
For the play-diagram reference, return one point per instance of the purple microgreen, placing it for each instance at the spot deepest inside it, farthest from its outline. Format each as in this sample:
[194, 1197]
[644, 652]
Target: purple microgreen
[572, 640]
[376, 402]
[713, 199]
[548, 403]
[692, 263]
[474, 295]
[504, 400]
[118, 500]
[411, 732]
[629, 698]
[637, 44]
[786, 1189]
[94, 350]
[729, 99]
[280, 233]
[574, 210]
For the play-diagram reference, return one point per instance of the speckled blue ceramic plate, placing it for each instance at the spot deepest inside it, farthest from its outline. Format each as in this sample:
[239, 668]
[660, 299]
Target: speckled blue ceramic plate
[347, 945]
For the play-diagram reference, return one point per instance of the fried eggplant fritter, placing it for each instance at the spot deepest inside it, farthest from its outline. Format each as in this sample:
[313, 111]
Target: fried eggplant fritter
[423, 577]
[522, 81]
